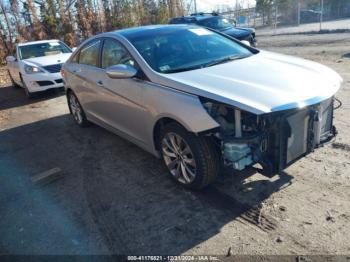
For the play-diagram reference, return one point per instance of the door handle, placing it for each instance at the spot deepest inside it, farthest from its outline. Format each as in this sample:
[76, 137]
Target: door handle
[99, 83]
[76, 70]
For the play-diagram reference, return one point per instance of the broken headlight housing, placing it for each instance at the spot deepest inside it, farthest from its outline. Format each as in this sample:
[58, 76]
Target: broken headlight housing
[241, 134]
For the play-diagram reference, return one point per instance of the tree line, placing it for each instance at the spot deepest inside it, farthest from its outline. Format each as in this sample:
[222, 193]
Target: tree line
[75, 20]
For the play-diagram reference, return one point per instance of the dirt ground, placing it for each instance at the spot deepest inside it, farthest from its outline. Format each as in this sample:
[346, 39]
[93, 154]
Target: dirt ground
[114, 198]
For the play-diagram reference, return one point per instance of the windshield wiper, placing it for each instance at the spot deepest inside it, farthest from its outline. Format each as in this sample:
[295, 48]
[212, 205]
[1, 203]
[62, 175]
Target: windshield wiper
[182, 69]
[212, 63]
[224, 60]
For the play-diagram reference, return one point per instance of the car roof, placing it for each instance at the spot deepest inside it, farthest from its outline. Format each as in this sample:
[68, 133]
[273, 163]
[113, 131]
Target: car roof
[197, 17]
[151, 29]
[38, 42]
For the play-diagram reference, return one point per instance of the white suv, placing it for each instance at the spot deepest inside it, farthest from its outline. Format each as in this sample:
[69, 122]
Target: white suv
[36, 65]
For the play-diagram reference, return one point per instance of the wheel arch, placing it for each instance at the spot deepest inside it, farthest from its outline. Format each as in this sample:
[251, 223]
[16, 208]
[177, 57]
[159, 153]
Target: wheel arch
[160, 124]
[163, 120]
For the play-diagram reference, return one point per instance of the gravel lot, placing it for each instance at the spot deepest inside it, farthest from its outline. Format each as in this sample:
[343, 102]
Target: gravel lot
[116, 198]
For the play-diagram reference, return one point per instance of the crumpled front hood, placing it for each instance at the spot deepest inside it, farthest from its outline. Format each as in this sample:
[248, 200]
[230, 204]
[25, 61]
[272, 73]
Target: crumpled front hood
[263, 83]
[48, 60]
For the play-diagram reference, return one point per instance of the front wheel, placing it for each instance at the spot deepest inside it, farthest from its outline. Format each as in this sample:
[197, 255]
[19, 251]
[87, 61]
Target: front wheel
[26, 90]
[252, 41]
[13, 83]
[192, 160]
[77, 110]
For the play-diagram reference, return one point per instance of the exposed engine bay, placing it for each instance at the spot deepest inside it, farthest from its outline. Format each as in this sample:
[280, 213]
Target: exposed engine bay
[274, 140]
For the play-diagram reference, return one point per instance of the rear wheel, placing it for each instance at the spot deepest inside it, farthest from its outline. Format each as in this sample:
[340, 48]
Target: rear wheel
[191, 160]
[77, 110]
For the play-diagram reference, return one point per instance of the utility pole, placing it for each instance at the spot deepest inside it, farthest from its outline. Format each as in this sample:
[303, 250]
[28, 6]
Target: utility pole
[195, 6]
[237, 12]
[321, 16]
[276, 13]
[298, 15]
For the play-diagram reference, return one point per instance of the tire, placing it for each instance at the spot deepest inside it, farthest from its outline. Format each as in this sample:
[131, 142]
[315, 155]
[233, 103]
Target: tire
[201, 162]
[14, 84]
[26, 90]
[76, 110]
[252, 41]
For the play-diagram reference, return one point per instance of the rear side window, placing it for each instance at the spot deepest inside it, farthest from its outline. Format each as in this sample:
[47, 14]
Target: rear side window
[89, 53]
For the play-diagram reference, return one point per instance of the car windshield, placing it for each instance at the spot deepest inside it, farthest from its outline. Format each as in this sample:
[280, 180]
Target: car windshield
[182, 49]
[217, 23]
[43, 49]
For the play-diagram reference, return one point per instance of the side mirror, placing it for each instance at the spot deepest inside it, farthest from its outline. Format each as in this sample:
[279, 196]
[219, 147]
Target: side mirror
[245, 42]
[121, 71]
[10, 59]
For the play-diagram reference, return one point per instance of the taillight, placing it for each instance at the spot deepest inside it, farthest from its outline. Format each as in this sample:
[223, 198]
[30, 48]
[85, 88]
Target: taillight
[62, 72]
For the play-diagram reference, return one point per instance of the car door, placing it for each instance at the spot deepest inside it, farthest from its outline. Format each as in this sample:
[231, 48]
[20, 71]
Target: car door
[119, 101]
[83, 71]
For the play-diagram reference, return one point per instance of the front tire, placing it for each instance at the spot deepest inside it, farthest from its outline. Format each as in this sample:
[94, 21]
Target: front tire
[252, 41]
[193, 161]
[26, 90]
[14, 84]
[76, 110]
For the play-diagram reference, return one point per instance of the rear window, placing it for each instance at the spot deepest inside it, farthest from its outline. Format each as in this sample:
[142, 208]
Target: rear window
[183, 20]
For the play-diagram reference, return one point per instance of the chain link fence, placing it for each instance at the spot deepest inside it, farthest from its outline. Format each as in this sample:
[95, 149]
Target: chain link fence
[294, 16]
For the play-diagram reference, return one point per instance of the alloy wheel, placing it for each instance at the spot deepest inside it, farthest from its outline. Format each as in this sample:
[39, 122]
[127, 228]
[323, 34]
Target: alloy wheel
[76, 109]
[179, 158]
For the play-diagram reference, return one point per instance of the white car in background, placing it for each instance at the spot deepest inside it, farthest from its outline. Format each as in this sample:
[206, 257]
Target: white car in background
[36, 65]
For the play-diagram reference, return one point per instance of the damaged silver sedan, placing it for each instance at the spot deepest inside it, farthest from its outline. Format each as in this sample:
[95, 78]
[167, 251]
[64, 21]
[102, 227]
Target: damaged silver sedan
[201, 100]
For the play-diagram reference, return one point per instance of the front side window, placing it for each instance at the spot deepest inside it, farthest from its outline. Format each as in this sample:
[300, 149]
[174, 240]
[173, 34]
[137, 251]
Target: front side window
[184, 49]
[75, 58]
[114, 53]
[89, 53]
[43, 49]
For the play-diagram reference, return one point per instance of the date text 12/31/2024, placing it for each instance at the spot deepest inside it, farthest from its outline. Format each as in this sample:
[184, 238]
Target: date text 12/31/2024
[172, 258]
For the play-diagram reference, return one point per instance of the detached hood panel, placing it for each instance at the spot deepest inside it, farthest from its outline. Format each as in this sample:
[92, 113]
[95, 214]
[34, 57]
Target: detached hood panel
[263, 83]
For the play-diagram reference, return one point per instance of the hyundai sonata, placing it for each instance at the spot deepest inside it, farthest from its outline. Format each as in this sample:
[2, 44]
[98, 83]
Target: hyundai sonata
[201, 100]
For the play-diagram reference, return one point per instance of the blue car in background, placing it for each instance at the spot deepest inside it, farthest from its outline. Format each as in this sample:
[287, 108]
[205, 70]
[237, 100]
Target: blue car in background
[219, 23]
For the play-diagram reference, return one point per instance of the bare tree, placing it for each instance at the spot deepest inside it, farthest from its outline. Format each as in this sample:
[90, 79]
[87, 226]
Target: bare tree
[37, 27]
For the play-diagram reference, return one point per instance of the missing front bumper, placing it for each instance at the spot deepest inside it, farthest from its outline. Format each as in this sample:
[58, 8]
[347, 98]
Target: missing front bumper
[300, 132]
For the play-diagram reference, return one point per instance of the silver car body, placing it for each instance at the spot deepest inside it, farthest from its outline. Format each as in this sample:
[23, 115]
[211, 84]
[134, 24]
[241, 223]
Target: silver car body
[263, 83]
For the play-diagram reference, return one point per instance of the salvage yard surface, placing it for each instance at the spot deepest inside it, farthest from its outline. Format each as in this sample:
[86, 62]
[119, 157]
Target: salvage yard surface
[114, 198]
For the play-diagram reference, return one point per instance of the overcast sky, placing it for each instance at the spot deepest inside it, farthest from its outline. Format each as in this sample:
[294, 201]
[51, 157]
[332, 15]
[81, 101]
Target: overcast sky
[210, 5]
